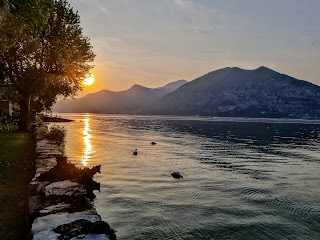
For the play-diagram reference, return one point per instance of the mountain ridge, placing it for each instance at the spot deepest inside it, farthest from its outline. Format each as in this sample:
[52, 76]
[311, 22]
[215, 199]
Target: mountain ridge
[107, 101]
[226, 92]
[235, 92]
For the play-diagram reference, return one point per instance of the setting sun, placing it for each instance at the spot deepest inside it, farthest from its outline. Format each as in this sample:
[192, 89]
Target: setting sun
[88, 81]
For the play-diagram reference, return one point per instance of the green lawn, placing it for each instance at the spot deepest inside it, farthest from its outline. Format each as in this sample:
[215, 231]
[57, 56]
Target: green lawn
[16, 170]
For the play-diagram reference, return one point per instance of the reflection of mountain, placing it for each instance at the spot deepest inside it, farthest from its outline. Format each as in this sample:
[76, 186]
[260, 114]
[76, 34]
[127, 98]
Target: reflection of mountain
[234, 92]
[106, 101]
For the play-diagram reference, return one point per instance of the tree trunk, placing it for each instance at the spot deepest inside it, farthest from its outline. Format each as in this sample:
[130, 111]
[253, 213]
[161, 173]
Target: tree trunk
[25, 115]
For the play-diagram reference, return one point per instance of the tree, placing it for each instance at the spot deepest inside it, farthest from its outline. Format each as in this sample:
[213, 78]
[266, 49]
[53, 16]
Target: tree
[43, 61]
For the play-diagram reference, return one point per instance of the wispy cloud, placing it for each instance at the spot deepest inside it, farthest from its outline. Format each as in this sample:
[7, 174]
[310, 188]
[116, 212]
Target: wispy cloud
[185, 4]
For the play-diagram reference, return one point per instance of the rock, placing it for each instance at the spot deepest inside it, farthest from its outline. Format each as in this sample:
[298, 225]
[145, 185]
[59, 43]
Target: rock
[42, 227]
[73, 229]
[62, 209]
[176, 175]
[91, 236]
[50, 154]
[55, 208]
[65, 170]
[80, 227]
[35, 204]
[101, 227]
[65, 204]
[65, 188]
[44, 165]
[36, 187]
[44, 144]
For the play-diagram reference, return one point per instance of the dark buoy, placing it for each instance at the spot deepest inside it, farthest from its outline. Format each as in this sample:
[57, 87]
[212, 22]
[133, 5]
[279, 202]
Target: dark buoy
[135, 152]
[153, 143]
[176, 175]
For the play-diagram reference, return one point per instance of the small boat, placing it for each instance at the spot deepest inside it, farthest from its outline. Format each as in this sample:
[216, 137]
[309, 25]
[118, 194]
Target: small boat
[176, 175]
[153, 143]
[135, 152]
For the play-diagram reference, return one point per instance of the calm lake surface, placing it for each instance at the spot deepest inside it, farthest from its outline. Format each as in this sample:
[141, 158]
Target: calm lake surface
[242, 180]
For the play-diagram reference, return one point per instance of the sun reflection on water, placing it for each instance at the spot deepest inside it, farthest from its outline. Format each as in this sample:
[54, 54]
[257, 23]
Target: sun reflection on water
[87, 142]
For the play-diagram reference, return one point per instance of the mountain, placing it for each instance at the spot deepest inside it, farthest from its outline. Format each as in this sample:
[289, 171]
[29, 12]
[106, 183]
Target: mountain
[106, 101]
[235, 92]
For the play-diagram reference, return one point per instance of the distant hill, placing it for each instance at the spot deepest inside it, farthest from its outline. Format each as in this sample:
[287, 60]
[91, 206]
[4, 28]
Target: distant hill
[235, 92]
[105, 101]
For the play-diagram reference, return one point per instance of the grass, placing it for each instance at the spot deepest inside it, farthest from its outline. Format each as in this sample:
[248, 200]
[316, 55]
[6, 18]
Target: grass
[16, 170]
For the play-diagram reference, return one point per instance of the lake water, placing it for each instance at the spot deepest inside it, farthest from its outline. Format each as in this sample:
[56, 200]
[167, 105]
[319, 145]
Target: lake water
[243, 178]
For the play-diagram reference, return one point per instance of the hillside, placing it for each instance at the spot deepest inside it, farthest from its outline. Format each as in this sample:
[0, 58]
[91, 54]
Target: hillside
[106, 101]
[235, 92]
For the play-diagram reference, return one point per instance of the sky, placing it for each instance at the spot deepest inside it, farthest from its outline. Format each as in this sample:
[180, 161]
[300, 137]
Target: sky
[154, 42]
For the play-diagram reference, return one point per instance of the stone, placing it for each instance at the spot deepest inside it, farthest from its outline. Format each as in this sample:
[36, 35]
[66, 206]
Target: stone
[65, 188]
[44, 165]
[36, 187]
[55, 208]
[73, 204]
[80, 227]
[42, 227]
[91, 236]
[50, 154]
[43, 143]
[35, 203]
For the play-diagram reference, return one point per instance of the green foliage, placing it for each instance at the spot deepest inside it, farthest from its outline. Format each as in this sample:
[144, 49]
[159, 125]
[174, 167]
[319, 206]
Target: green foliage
[43, 53]
[16, 170]
[40, 129]
[57, 133]
[5, 128]
[33, 11]
[41, 132]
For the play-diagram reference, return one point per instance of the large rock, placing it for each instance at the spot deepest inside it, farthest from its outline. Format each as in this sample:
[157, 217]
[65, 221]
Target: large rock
[50, 154]
[83, 228]
[44, 165]
[65, 188]
[56, 208]
[48, 149]
[42, 227]
[36, 187]
[91, 237]
[45, 143]
[35, 204]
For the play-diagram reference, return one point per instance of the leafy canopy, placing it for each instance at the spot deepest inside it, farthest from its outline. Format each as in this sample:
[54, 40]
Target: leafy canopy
[43, 53]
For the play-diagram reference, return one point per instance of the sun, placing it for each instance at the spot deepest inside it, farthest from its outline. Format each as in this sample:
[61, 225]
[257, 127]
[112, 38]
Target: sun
[88, 81]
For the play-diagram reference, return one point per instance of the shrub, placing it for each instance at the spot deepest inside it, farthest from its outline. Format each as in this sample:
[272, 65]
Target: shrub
[41, 131]
[38, 120]
[57, 133]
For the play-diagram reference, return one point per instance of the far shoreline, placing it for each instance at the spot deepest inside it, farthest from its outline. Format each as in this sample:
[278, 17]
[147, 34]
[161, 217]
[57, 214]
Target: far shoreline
[201, 118]
[56, 119]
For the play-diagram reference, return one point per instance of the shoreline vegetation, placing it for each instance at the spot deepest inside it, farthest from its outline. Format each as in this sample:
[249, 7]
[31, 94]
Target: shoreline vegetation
[16, 170]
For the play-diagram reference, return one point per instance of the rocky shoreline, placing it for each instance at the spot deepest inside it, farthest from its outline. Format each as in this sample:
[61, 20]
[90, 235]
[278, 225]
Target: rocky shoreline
[60, 198]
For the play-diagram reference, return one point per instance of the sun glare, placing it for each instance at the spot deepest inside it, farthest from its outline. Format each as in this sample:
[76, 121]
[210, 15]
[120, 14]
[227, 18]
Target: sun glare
[88, 81]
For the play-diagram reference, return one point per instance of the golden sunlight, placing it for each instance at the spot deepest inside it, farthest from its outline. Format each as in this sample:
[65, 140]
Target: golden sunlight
[88, 81]
[87, 143]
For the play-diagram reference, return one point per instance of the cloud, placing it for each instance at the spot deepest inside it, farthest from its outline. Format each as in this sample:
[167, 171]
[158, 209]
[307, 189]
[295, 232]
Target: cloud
[184, 4]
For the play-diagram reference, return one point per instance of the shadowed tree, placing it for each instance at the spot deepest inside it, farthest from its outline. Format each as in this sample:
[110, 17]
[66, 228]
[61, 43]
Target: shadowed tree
[42, 60]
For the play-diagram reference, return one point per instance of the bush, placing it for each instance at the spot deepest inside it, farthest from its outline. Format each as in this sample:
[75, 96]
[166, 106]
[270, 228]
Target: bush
[41, 131]
[38, 120]
[57, 133]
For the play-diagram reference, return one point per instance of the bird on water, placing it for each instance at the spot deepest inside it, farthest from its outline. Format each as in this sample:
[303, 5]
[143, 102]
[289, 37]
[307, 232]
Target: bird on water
[135, 152]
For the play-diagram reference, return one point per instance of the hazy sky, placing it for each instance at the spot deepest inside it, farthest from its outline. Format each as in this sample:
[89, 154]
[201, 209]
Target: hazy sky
[153, 42]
